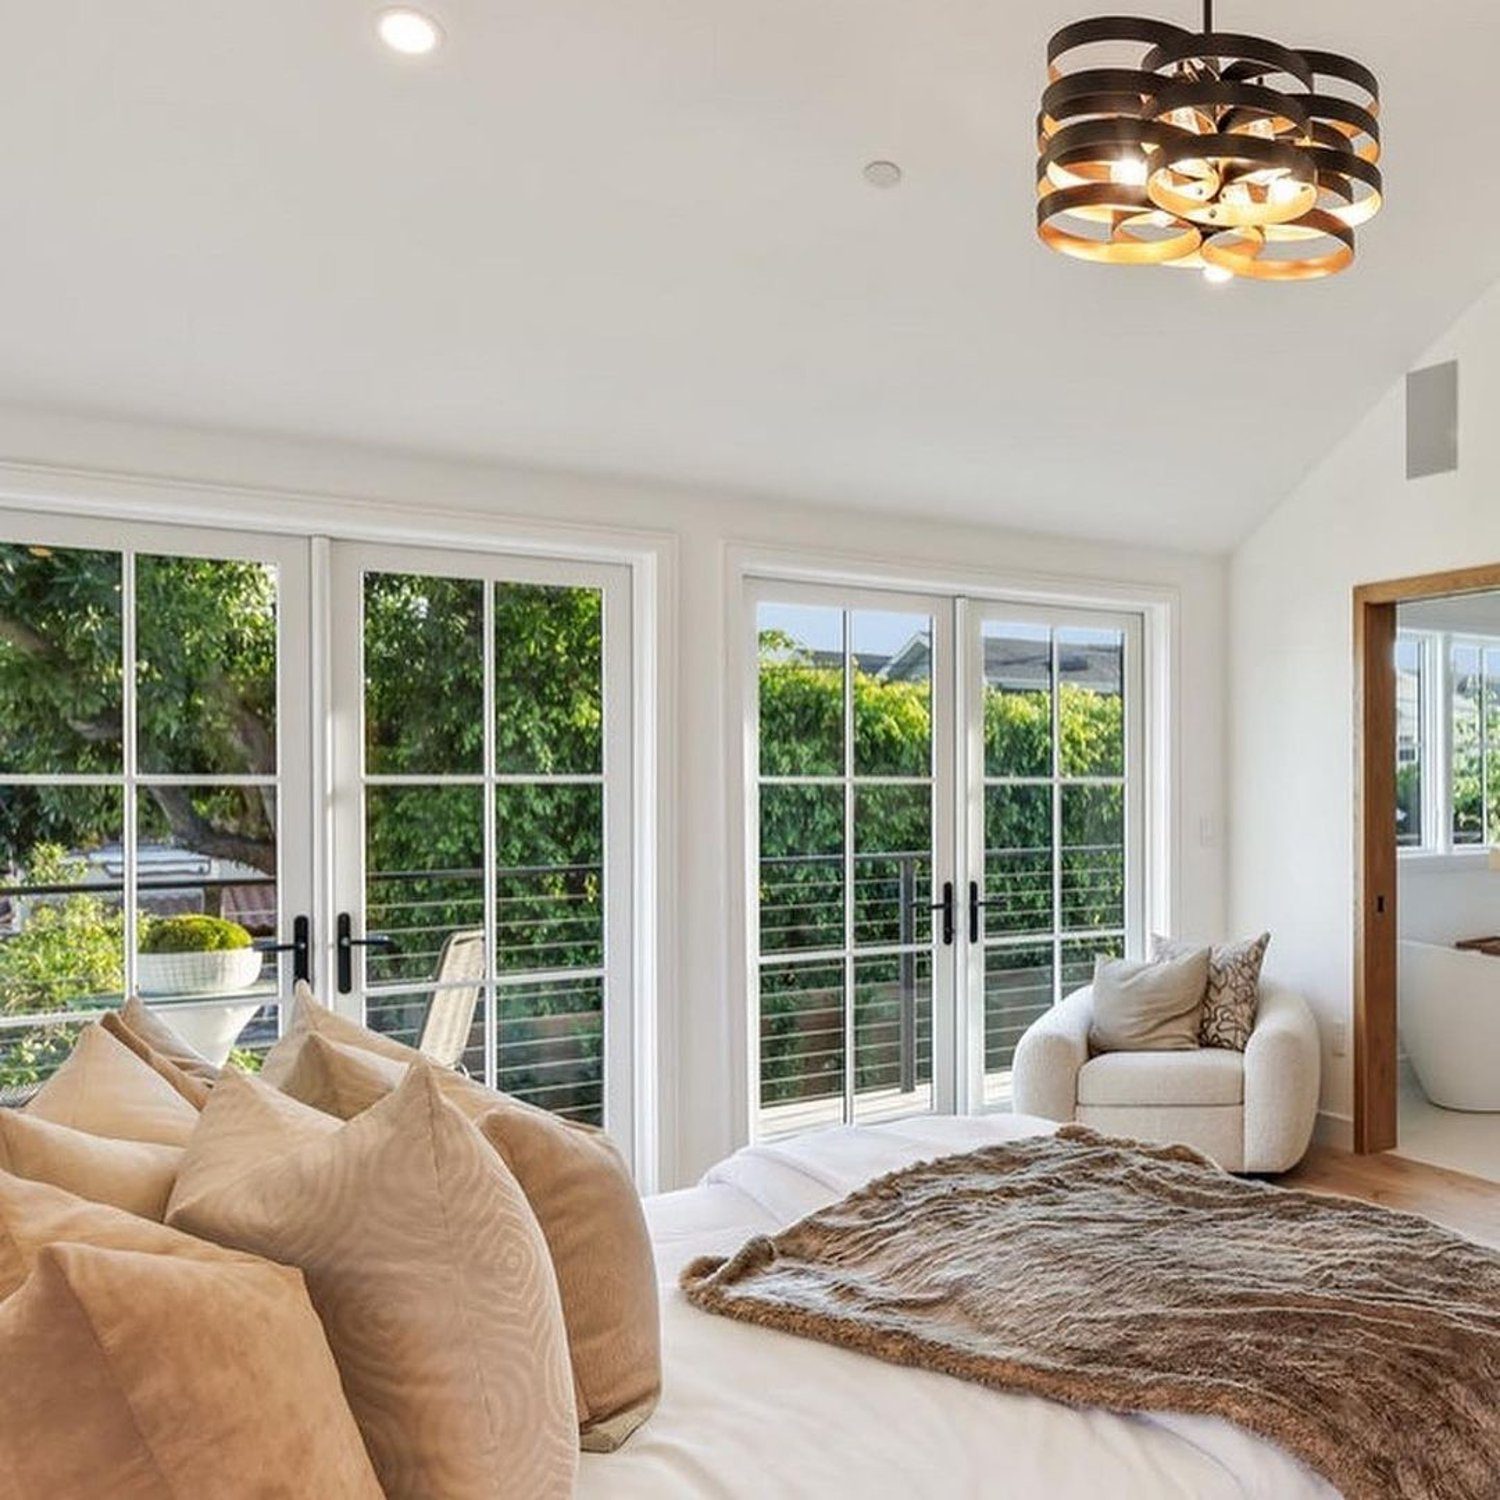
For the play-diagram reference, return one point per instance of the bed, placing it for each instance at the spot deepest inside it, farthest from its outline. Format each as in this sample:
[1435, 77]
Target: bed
[747, 1412]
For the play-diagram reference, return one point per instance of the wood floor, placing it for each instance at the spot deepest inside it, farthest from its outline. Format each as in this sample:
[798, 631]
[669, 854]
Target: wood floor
[1469, 1205]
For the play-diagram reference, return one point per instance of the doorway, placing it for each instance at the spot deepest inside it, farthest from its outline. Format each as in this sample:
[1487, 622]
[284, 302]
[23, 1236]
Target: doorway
[1382, 796]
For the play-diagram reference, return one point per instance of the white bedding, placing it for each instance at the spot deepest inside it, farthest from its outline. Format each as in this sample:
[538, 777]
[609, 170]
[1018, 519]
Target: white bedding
[750, 1414]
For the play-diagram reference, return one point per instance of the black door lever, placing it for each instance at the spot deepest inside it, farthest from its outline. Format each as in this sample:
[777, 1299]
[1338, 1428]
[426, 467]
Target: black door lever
[346, 944]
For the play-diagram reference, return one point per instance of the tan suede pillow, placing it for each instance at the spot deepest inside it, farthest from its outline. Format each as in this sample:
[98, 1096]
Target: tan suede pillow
[105, 1089]
[134, 1175]
[36, 1214]
[165, 1042]
[309, 1017]
[582, 1194]
[434, 1285]
[1148, 1007]
[140, 1376]
[194, 1090]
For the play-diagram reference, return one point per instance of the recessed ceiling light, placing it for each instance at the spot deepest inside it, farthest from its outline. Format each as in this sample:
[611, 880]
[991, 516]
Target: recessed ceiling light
[882, 174]
[409, 32]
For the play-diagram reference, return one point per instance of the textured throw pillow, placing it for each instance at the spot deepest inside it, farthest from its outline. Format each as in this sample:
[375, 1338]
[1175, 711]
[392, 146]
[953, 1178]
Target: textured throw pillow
[435, 1288]
[105, 1089]
[160, 1037]
[34, 1215]
[582, 1194]
[194, 1090]
[140, 1376]
[244, 1124]
[1232, 992]
[134, 1175]
[309, 1017]
[1148, 1007]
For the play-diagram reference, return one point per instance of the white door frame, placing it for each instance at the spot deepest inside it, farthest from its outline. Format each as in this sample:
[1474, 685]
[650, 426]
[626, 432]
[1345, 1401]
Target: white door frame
[342, 813]
[294, 800]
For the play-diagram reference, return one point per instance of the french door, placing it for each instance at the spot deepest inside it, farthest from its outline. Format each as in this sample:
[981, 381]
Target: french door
[155, 748]
[945, 816]
[481, 786]
[418, 796]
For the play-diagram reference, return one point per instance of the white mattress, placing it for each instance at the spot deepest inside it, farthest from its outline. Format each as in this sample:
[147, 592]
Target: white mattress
[756, 1415]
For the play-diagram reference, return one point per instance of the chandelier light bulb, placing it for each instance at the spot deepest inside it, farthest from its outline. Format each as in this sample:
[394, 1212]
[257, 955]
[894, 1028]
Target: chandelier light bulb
[1217, 275]
[1128, 171]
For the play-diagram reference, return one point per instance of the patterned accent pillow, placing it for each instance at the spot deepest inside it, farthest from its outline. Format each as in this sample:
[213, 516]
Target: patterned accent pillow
[1233, 991]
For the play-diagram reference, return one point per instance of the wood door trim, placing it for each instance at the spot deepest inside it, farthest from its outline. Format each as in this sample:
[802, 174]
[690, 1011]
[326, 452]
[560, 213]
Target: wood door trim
[1375, 865]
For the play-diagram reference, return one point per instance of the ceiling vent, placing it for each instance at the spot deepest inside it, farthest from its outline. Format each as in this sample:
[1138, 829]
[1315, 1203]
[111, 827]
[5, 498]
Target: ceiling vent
[1432, 420]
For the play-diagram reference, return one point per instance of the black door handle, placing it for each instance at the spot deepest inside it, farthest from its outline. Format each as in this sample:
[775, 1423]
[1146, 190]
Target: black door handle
[300, 948]
[346, 944]
[975, 907]
[946, 907]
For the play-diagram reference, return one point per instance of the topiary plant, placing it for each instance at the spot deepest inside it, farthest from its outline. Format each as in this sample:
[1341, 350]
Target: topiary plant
[193, 934]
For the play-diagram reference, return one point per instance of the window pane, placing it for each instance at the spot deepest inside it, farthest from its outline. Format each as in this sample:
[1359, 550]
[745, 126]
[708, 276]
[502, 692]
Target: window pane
[801, 690]
[1409, 741]
[1078, 958]
[1468, 791]
[1017, 859]
[892, 693]
[62, 925]
[205, 851]
[1093, 857]
[1492, 743]
[801, 867]
[892, 1036]
[1017, 700]
[801, 1045]
[404, 1016]
[549, 688]
[205, 666]
[1091, 702]
[550, 884]
[424, 675]
[424, 875]
[1017, 989]
[551, 1046]
[60, 660]
[892, 864]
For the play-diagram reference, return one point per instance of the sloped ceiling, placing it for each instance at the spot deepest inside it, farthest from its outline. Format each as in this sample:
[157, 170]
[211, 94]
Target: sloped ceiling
[635, 238]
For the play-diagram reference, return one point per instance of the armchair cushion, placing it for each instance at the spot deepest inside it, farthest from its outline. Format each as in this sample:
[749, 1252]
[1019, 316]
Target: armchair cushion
[1208, 1075]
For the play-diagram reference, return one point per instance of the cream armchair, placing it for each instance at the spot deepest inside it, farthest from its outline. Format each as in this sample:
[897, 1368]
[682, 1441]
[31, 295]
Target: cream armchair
[1251, 1111]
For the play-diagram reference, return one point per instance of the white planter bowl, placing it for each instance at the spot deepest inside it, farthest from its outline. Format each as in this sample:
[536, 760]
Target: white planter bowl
[225, 972]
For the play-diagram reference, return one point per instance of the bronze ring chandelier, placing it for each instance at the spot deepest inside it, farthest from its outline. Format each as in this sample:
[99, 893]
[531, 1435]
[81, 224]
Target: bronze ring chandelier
[1211, 150]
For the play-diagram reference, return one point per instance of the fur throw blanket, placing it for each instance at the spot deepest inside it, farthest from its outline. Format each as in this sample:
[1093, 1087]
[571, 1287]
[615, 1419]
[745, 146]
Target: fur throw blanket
[1144, 1278]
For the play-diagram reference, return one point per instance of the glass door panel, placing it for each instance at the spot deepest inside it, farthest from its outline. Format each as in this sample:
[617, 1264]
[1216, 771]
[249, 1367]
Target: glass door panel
[1054, 872]
[850, 829]
[153, 736]
[483, 766]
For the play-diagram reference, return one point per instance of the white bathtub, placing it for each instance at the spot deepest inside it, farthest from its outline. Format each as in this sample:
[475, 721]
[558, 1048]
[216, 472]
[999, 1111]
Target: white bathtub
[1450, 1024]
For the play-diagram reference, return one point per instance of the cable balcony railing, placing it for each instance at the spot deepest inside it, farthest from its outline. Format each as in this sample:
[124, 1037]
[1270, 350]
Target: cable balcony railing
[549, 921]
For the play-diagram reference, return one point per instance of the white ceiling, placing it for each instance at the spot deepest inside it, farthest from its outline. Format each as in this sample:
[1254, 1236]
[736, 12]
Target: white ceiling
[635, 238]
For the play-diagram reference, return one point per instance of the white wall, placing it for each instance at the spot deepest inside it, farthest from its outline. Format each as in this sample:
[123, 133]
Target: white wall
[1354, 519]
[703, 1007]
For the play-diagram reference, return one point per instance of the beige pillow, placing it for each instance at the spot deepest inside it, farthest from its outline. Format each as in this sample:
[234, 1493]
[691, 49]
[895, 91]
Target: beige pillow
[1148, 1007]
[140, 1376]
[434, 1285]
[105, 1089]
[194, 1090]
[244, 1123]
[582, 1194]
[134, 1175]
[36, 1214]
[160, 1037]
[308, 1016]
[1232, 995]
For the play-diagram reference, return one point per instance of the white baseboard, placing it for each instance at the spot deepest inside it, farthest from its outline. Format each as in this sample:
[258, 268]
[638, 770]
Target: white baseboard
[1334, 1130]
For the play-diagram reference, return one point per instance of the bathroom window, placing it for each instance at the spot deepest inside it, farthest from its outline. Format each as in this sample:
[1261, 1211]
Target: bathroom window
[1447, 742]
